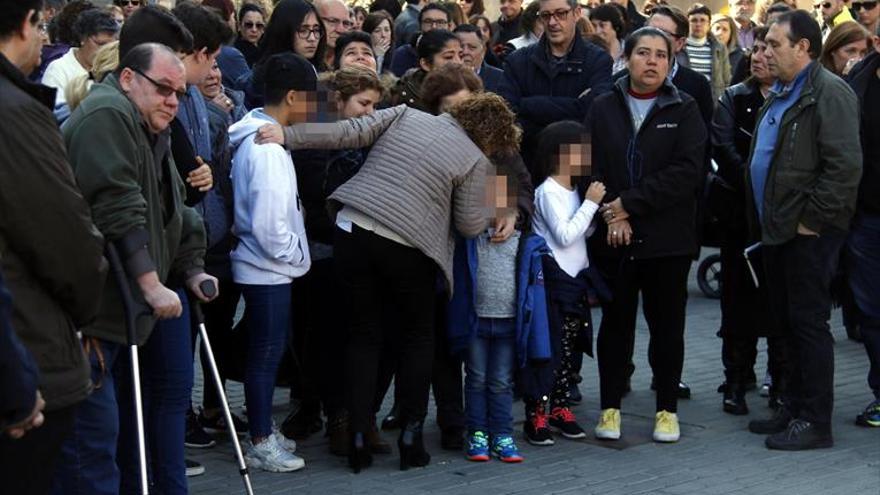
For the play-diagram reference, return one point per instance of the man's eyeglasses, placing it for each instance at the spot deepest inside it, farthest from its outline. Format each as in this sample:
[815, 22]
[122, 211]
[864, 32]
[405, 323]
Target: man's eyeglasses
[560, 15]
[434, 23]
[253, 25]
[126, 3]
[306, 33]
[164, 90]
[864, 5]
[823, 5]
[346, 23]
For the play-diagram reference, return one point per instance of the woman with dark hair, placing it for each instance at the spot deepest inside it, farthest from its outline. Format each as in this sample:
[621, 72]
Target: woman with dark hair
[354, 48]
[358, 16]
[611, 27]
[251, 26]
[485, 25]
[456, 14]
[725, 30]
[531, 28]
[845, 46]
[435, 49]
[472, 8]
[648, 239]
[380, 26]
[294, 26]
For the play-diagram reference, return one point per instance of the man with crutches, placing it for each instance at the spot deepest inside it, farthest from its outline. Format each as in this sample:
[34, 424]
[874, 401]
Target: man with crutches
[118, 144]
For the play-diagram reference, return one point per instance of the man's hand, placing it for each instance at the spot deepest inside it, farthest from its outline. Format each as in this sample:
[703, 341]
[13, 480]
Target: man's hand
[619, 233]
[201, 178]
[34, 420]
[270, 133]
[195, 281]
[164, 301]
[802, 230]
[504, 228]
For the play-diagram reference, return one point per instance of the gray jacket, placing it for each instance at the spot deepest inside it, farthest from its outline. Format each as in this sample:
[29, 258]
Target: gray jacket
[422, 178]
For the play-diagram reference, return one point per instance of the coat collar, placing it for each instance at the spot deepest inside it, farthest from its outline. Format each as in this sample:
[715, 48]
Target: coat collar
[668, 93]
[44, 94]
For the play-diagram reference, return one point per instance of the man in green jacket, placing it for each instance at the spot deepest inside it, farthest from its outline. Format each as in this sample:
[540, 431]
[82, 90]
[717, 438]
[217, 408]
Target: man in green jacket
[118, 142]
[802, 183]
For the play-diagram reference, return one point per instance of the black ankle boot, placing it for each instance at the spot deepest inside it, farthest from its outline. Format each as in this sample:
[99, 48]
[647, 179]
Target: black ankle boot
[392, 419]
[359, 456]
[777, 423]
[412, 448]
[735, 400]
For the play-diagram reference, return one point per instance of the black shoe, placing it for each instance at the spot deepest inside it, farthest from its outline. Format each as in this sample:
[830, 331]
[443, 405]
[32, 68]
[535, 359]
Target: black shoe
[412, 447]
[854, 332]
[301, 424]
[774, 402]
[722, 388]
[536, 427]
[751, 381]
[217, 424]
[684, 392]
[627, 387]
[392, 420]
[777, 423]
[339, 439]
[359, 456]
[452, 439]
[193, 468]
[735, 403]
[196, 437]
[801, 435]
[574, 394]
[562, 419]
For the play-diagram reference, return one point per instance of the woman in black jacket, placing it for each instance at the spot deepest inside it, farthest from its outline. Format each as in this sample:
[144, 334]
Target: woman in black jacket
[648, 147]
[744, 315]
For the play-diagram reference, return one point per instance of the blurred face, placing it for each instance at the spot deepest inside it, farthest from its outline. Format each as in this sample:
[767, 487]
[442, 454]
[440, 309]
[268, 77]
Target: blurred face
[826, 10]
[359, 104]
[199, 64]
[450, 54]
[472, 50]
[510, 8]
[559, 21]
[129, 6]
[449, 101]
[302, 106]
[868, 12]
[155, 92]
[758, 63]
[434, 19]
[306, 38]
[853, 51]
[382, 34]
[605, 30]
[466, 6]
[357, 53]
[574, 160]
[211, 86]
[784, 58]
[649, 64]
[500, 198]
[252, 27]
[89, 47]
[721, 31]
[336, 21]
[667, 25]
[699, 25]
[742, 10]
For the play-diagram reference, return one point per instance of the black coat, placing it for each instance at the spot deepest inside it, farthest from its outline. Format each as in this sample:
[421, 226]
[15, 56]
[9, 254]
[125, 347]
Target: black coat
[692, 83]
[656, 172]
[491, 76]
[858, 79]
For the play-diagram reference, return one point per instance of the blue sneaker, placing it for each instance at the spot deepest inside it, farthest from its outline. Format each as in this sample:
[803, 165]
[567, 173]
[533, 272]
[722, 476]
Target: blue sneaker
[478, 447]
[870, 417]
[504, 448]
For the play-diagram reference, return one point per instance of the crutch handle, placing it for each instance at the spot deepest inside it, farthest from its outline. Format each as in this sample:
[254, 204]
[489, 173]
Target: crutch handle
[208, 288]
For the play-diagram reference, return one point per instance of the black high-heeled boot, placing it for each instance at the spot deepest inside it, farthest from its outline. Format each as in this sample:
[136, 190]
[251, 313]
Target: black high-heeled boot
[735, 400]
[412, 448]
[359, 456]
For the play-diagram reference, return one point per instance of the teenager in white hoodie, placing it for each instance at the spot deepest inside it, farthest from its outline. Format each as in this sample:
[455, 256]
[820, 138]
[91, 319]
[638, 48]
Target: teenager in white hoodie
[272, 248]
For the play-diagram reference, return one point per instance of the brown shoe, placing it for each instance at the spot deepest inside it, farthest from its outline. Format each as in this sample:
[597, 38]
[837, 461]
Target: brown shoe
[337, 430]
[377, 444]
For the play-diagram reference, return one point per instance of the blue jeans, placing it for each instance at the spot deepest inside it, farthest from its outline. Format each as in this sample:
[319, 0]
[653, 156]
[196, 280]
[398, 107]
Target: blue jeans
[488, 383]
[166, 364]
[267, 309]
[863, 271]
[87, 463]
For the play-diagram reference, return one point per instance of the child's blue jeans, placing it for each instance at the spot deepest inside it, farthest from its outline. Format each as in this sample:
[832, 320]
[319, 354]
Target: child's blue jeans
[488, 383]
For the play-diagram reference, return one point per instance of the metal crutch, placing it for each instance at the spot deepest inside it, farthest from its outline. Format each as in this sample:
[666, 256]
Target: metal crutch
[130, 318]
[209, 289]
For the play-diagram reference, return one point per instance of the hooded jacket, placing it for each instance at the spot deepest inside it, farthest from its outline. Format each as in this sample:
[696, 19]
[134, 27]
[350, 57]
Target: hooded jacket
[272, 246]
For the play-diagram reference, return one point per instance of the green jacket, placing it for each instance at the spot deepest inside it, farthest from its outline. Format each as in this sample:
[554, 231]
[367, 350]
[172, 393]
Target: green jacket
[817, 162]
[129, 179]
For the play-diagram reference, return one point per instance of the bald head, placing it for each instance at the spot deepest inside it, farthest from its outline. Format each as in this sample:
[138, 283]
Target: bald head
[153, 78]
[334, 15]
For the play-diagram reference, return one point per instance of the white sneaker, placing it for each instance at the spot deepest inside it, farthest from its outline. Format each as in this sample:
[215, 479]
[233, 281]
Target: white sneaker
[270, 456]
[287, 444]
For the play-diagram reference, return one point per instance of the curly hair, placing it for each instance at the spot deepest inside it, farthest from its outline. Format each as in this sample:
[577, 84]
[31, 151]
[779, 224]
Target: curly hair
[489, 122]
[352, 80]
[445, 81]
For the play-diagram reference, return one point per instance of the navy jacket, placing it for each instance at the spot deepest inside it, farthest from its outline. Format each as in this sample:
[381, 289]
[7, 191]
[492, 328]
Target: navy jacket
[18, 372]
[403, 58]
[532, 327]
[491, 76]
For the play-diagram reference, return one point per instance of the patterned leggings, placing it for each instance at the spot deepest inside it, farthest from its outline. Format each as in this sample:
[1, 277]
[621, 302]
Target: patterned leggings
[560, 394]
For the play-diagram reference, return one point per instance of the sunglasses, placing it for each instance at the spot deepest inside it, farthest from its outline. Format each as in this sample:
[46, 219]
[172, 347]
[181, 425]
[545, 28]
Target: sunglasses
[164, 90]
[824, 5]
[127, 3]
[253, 25]
[864, 5]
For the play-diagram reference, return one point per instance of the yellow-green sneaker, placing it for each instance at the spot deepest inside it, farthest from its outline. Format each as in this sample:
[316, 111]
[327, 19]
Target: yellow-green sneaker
[666, 427]
[609, 425]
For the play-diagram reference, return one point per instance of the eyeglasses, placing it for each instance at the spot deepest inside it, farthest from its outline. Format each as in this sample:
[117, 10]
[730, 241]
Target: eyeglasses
[434, 23]
[864, 5]
[306, 33]
[164, 90]
[126, 3]
[253, 25]
[560, 15]
[43, 27]
[823, 5]
[346, 23]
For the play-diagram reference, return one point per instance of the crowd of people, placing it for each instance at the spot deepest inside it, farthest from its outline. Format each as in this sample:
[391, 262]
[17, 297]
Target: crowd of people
[418, 195]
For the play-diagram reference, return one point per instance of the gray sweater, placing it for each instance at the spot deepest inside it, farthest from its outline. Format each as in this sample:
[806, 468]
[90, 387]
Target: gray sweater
[422, 177]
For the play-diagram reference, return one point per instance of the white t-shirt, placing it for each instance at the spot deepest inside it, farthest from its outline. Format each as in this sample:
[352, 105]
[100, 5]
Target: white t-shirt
[61, 72]
[564, 221]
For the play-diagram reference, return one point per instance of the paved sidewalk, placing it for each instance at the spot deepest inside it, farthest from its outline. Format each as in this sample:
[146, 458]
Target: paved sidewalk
[716, 454]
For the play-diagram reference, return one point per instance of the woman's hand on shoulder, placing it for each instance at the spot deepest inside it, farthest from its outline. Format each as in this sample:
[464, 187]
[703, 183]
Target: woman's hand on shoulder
[270, 133]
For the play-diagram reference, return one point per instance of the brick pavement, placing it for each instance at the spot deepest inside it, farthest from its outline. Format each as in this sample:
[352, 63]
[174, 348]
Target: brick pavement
[716, 454]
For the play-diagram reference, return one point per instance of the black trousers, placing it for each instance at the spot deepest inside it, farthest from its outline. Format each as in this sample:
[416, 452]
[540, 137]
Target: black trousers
[446, 380]
[663, 285]
[29, 462]
[378, 273]
[799, 275]
[219, 316]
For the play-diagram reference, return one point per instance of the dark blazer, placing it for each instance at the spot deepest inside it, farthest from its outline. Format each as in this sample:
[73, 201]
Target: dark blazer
[491, 76]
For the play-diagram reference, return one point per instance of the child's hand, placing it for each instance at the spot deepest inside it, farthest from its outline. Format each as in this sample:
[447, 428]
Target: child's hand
[596, 192]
